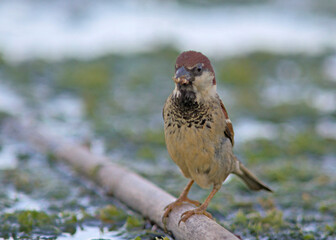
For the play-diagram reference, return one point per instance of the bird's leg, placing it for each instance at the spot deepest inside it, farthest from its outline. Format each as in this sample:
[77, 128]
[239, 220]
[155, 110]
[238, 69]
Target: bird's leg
[182, 198]
[201, 209]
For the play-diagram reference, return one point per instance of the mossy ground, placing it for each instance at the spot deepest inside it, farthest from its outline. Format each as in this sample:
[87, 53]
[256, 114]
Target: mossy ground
[122, 99]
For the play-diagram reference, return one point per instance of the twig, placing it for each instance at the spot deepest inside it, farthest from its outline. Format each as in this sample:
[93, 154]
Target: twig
[132, 189]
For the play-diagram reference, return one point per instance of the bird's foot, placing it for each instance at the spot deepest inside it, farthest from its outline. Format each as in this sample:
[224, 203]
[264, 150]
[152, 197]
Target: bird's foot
[200, 210]
[194, 202]
[175, 204]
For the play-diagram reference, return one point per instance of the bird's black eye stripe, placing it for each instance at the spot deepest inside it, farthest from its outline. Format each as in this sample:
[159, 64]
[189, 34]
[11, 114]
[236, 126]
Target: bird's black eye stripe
[198, 69]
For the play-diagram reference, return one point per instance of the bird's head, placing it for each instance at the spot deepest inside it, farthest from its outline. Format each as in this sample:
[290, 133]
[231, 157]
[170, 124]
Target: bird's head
[193, 72]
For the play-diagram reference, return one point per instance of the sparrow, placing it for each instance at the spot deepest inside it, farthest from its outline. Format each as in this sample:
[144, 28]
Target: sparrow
[199, 133]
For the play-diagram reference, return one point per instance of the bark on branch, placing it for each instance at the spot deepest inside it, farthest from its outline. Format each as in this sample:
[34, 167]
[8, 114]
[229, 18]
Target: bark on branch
[130, 188]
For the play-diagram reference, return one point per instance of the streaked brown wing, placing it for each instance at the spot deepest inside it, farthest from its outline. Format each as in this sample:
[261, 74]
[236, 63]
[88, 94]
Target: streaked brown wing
[229, 128]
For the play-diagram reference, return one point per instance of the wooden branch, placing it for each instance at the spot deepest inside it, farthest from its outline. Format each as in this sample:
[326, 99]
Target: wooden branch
[130, 188]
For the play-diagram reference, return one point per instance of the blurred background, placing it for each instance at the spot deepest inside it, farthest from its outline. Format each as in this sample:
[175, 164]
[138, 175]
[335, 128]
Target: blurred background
[99, 72]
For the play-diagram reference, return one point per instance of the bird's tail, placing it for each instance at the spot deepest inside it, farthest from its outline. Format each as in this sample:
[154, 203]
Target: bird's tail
[250, 179]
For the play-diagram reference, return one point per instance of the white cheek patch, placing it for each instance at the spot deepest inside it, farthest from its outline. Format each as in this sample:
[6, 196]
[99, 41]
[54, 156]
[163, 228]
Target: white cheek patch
[204, 81]
[204, 86]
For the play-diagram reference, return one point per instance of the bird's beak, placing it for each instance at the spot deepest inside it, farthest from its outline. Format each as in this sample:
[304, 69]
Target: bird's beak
[182, 76]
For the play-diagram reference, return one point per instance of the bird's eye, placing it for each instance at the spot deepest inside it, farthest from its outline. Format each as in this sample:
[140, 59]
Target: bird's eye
[199, 69]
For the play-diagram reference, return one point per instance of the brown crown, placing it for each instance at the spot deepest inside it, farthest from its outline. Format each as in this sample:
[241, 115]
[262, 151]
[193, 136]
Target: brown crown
[191, 58]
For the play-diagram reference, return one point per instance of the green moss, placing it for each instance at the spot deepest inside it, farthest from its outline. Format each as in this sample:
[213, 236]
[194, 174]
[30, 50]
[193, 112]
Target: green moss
[267, 203]
[308, 237]
[328, 206]
[58, 192]
[303, 145]
[290, 171]
[140, 77]
[23, 181]
[30, 221]
[69, 222]
[238, 72]
[331, 229]
[6, 201]
[261, 150]
[2, 60]
[154, 137]
[32, 181]
[148, 142]
[23, 157]
[93, 173]
[146, 152]
[4, 116]
[26, 73]
[241, 218]
[309, 142]
[86, 77]
[111, 214]
[51, 158]
[287, 162]
[256, 223]
[298, 111]
[90, 80]
[134, 222]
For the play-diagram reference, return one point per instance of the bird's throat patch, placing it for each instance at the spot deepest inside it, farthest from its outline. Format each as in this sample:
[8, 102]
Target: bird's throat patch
[185, 97]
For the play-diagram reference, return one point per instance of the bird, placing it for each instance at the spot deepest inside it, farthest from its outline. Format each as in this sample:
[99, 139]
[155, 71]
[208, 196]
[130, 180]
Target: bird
[199, 134]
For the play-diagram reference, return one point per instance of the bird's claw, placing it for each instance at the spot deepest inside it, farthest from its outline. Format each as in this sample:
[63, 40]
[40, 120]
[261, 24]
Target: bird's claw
[172, 205]
[168, 206]
[168, 209]
[194, 202]
[188, 214]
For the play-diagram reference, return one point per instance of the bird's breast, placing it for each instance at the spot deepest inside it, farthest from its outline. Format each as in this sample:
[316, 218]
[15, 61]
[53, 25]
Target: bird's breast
[190, 138]
[193, 138]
